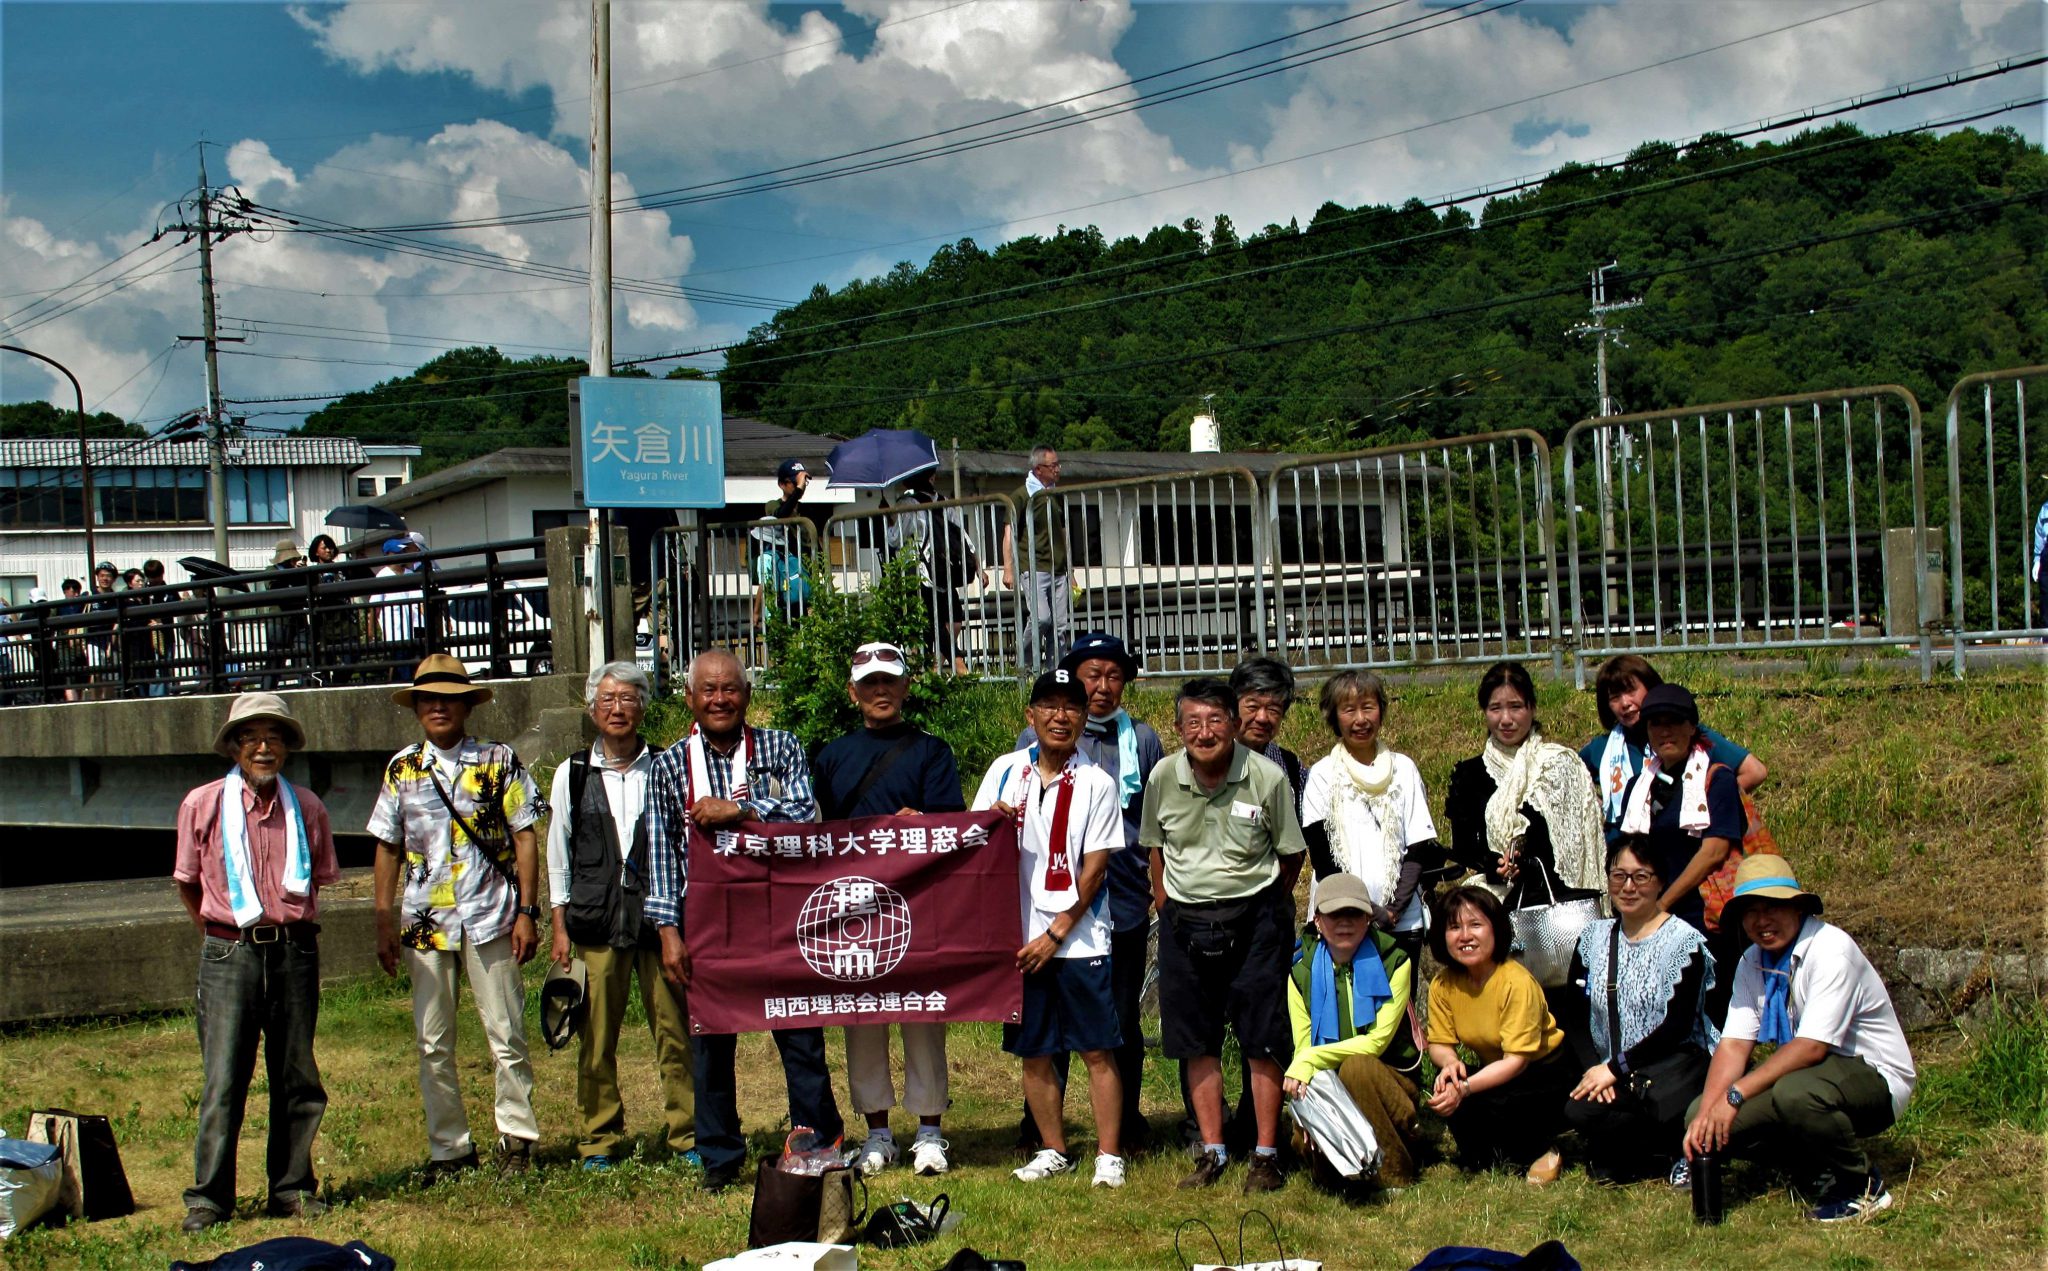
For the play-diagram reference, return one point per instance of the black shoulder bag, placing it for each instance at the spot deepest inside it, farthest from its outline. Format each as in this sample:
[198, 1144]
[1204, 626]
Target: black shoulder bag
[880, 766]
[1661, 1085]
[497, 851]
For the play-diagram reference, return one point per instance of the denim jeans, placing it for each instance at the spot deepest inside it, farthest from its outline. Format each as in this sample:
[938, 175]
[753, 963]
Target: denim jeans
[247, 990]
[719, 1140]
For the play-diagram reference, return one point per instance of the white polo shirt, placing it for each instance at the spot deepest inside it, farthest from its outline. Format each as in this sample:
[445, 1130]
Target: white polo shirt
[1837, 999]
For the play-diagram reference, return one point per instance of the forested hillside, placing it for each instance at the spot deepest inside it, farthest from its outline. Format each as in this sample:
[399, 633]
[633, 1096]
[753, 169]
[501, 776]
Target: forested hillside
[1831, 260]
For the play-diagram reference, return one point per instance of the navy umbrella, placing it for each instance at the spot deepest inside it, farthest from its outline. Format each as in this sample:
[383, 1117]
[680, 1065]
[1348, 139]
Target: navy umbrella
[881, 457]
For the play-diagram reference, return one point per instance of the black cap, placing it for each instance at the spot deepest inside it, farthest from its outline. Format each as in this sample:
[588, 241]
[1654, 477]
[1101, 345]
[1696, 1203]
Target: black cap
[1058, 684]
[1101, 644]
[788, 469]
[1671, 699]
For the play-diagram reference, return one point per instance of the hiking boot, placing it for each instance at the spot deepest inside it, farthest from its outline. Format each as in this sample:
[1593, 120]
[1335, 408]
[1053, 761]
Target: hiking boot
[1042, 1166]
[1206, 1172]
[1263, 1174]
[515, 1156]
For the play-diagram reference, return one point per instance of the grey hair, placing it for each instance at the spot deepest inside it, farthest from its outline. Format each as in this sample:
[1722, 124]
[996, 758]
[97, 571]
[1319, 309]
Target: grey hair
[626, 673]
[690, 674]
[1039, 454]
[1264, 676]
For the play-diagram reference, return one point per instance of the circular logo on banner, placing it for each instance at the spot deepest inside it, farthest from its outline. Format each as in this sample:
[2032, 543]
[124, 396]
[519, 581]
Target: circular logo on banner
[853, 929]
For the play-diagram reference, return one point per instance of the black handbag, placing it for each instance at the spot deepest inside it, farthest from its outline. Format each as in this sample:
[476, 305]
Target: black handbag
[904, 1223]
[814, 1208]
[1664, 1087]
[95, 1186]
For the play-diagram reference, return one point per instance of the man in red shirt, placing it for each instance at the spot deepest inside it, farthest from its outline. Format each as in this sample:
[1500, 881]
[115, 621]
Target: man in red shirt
[253, 852]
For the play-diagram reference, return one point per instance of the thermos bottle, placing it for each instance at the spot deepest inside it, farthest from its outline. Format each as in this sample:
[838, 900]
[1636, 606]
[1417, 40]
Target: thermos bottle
[1706, 1188]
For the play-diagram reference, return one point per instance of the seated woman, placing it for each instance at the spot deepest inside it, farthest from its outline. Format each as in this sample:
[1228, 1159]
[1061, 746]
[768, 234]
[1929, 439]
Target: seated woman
[1512, 1106]
[1689, 813]
[1616, 756]
[1364, 810]
[1348, 1001]
[1646, 976]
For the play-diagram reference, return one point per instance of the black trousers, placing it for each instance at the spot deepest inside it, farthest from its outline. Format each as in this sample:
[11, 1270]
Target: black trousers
[719, 1140]
[1517, 1122]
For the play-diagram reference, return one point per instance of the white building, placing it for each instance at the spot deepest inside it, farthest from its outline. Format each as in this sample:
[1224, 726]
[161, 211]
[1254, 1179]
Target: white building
[150, 501]
[389, 467]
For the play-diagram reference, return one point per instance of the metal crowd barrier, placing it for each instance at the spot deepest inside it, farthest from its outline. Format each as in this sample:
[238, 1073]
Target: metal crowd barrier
[718, 585]
[968, 623]
[1994, 591]
[321, 625]
[1757, 524]
[1431, 552]
[1175, 564]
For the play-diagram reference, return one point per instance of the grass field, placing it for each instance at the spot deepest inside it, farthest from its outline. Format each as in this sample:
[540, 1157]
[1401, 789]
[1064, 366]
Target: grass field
[1916, 810]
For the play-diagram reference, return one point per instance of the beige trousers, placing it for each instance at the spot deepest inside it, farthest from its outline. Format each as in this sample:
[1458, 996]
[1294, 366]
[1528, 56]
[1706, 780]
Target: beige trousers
[500, 994]
[924, 1068]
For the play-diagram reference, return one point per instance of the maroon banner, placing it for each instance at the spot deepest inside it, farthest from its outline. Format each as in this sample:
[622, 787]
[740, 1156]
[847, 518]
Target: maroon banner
[881, 920]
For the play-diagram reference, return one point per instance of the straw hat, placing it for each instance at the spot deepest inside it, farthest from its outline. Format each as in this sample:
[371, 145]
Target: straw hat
[439, 673]
[249, 707]
[1765, 877]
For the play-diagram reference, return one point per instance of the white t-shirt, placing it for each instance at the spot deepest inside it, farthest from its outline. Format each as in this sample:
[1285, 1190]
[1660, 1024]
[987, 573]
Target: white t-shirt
[1094, 824]
[1359, 833]
[1837, 999]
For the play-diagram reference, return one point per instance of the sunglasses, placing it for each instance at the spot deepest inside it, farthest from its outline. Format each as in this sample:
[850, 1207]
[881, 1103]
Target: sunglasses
[886, 653]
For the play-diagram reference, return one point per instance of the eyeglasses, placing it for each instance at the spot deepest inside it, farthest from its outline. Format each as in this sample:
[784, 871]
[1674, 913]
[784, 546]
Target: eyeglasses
[259, 741]
[607, 700]
[1619, 879]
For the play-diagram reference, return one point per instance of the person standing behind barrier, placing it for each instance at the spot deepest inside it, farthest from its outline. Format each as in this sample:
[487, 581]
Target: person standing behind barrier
[725, 772]
[946, 562]
[454, 818]
[253, 853]
[891, 767]
[1128, 750]
[1066, 813]
[1616, 756]
[1041, 576]
[780, 563]
[1226, 849]
[598, 845]
[1366, 813]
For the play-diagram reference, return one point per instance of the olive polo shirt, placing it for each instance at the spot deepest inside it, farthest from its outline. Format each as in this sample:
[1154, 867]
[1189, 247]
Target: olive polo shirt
[1224, 845]
[1042, 517]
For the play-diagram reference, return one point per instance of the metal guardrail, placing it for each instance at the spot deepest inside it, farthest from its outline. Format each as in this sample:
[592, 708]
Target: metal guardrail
[1430, 552]
[1995, 595]
[969, 625]
[1175, 564]
[1754, 525]
[717, 584]
[342, 623]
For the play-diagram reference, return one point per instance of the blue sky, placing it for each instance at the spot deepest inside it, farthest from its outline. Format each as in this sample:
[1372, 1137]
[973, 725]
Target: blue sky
[397, 113]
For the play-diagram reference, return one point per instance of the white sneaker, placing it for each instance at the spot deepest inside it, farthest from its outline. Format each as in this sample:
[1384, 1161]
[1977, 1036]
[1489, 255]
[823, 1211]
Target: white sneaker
[928, 1155]
[875, 1155]
[1044, 1165]
[1109, 1171]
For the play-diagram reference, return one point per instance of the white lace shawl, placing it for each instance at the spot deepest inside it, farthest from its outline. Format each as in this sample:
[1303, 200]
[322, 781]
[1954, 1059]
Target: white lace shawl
[1645, 981]
[1553, 780]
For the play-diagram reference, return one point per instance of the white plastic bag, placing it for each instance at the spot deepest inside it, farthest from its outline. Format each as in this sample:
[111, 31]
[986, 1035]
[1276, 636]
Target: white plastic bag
[30, 1175]
[793, 1255]
[1340, 1131]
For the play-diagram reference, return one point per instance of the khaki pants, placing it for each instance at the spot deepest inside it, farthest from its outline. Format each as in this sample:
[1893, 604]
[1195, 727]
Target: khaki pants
[611, 973]
[1387, 1100]
[500, 995]
[924, 1068]
[1809, 1123]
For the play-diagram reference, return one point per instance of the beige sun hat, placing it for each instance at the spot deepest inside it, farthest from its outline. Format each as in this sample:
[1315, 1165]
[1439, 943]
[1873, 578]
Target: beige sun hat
[439, 673]
[248, 707]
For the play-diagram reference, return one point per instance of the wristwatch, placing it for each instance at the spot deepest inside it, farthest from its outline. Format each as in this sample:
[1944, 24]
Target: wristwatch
[1734, 1097]
[528, 911]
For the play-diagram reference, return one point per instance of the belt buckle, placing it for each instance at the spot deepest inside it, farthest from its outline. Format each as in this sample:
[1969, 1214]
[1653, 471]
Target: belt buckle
[257, 935]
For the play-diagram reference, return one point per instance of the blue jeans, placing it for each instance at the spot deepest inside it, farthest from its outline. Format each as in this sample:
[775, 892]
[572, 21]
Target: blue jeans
[247, 990]
[719, 1140]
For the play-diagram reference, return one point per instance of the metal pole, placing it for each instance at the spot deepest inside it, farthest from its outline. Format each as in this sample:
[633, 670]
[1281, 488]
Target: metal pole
[84, 452]
[216, 474]
[600, 573]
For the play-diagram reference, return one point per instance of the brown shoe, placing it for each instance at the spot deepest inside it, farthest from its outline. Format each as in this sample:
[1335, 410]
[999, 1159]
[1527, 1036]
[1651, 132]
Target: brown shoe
[515, 1156]
[1546, 1169]
[1206, 1173]
[1263, 1175]
[438, 1170]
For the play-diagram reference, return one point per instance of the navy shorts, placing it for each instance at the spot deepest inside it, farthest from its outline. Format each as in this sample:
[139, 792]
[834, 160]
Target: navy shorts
[1068, 1006]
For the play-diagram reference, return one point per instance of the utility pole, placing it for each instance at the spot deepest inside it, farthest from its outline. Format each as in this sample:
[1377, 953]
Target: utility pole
[600, 571]
[1602, 332]
[207, 229]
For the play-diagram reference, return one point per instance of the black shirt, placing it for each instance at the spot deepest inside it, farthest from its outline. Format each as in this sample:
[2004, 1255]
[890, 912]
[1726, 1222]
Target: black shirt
[925, 776]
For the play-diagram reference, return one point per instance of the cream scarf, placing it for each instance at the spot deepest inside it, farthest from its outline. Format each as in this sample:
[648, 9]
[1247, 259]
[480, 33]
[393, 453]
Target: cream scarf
[1554, 781]
[1372, 785]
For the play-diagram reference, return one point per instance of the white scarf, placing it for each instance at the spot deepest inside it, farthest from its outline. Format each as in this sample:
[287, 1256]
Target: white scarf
[1555, 782]
[1692, 795]
[697, 758]
[1615, 771]
[234, 847]
[1373, 786]
[1032, 485]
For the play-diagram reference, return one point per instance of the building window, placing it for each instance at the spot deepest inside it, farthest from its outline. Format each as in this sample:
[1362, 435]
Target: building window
[14, 588]
[392, 483]
[366, 487]
[53, 497]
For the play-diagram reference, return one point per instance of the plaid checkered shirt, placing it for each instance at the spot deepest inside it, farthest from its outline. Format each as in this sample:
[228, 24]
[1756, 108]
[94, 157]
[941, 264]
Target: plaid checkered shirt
[778, 782]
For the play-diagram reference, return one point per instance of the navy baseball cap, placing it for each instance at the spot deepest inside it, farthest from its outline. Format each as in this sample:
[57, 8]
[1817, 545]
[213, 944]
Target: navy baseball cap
[789, 468]
[1671, 699]
[1059, 684]
[1101, 644]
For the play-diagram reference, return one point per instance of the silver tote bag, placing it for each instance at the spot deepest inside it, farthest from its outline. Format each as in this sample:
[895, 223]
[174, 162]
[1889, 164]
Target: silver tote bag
[1547, 935]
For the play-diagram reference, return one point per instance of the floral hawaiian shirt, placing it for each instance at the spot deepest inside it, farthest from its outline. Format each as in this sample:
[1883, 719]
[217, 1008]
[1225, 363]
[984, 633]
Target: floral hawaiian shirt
[455, 889]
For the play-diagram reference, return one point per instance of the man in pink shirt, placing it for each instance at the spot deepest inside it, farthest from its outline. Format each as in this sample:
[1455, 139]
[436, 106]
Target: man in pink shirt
[253, 852]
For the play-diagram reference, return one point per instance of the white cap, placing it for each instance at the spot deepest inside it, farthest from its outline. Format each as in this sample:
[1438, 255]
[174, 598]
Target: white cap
[878, 658]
